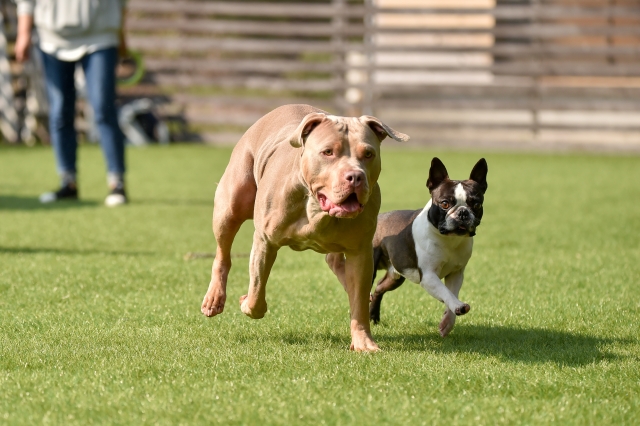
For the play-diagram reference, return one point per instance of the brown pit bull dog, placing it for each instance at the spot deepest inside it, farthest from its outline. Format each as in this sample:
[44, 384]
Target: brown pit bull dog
[309, 181]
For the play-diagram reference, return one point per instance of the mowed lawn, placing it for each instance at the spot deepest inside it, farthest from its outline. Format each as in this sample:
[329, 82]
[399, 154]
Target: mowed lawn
[100, 317]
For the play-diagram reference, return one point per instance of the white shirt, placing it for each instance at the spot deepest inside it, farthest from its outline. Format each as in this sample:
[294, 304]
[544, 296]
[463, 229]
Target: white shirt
[71, 29]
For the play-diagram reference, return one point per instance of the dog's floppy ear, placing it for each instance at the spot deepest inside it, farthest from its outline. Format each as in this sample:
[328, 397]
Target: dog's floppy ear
[437, 174]
[382, 130]
[479, 174]
[308, 123]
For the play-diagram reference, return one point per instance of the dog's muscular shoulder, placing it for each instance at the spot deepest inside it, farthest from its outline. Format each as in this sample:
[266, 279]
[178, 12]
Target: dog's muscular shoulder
[305, 162]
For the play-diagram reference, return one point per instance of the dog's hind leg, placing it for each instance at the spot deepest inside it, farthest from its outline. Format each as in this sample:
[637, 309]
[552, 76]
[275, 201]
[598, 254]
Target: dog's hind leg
[389, 282]
[233, 205]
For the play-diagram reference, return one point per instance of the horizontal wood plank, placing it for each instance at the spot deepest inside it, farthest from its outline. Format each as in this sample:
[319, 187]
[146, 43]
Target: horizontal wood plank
[518, 50]
[205, 65]
[261, 103]
[262, 9]
[243, 27]
[519, 103]
[519, 12]
[521, 31]
[497, 91]
[255, 82]
[207, 44]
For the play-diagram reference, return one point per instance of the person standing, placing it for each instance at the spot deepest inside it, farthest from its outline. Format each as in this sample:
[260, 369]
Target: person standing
[88, 33]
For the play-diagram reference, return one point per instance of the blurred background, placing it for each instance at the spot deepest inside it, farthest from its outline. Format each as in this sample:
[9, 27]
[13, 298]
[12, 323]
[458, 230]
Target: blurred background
[521, 74]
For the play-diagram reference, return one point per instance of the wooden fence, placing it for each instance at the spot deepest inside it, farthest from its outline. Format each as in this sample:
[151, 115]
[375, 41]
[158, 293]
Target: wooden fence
[514, 73]
[225, 64]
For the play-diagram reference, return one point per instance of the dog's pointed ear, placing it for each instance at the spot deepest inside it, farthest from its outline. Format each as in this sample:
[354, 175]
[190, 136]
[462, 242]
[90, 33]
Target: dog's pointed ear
[382, 130]
[308, 123]
[437, 174]
[479, 174]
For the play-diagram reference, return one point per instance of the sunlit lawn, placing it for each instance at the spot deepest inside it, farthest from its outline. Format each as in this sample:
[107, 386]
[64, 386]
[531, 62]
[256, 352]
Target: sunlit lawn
[100, 319]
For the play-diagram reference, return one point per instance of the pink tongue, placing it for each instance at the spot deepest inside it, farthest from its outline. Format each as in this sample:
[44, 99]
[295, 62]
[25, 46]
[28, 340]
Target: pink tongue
[350, 205]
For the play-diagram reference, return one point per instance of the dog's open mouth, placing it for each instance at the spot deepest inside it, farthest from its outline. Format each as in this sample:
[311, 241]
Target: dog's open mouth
[460, 229]
[349, 207]
[463, 229]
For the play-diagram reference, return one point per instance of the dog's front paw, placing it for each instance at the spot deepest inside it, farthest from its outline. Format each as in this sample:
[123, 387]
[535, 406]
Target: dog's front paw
[447, 323]
[364, 345]
[361, 339]
[462, 309]
[255, 310]
[214, 300]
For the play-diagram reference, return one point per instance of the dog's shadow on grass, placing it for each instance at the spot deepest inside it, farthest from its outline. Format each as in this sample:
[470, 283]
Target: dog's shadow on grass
[15, 202]
[509, 344]
[528, 345]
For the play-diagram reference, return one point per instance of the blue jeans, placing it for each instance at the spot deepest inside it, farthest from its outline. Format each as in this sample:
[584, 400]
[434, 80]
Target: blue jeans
[99, 70]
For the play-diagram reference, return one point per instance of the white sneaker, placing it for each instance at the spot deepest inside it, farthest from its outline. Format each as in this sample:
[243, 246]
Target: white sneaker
[117, 197]
[114, 200]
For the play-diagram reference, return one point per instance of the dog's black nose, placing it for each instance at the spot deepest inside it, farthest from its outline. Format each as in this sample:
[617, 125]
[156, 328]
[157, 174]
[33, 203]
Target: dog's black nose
[463, 214]
[354, 177]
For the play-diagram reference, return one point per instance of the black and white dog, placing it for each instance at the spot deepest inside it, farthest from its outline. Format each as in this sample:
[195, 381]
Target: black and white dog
[425, 246]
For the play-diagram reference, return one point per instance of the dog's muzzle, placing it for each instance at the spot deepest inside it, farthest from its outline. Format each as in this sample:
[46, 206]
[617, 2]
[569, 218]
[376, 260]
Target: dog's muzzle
[349, 207]
[462, 222]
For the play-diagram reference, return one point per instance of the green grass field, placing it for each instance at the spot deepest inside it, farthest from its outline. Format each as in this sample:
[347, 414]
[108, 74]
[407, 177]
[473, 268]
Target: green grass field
[100, 314]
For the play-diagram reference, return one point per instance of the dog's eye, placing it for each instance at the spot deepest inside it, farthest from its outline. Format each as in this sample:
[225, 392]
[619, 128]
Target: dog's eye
[368, 154]
[477, 206]
[445, 204]
[327, 152]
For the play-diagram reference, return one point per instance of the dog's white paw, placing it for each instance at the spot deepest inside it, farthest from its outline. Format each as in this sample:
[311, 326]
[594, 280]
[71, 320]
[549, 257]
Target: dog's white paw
[447, 323]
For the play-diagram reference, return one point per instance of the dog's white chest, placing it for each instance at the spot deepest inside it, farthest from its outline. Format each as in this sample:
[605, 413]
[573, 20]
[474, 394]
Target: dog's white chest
[437, 253]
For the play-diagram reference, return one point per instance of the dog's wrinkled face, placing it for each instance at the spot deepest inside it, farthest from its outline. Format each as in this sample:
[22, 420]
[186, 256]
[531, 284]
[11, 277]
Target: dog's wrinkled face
[456, 205]
[340, 161]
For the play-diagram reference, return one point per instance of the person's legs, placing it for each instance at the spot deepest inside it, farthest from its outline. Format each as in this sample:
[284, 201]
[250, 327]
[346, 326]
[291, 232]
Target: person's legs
[99, 70]
[59, 79]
